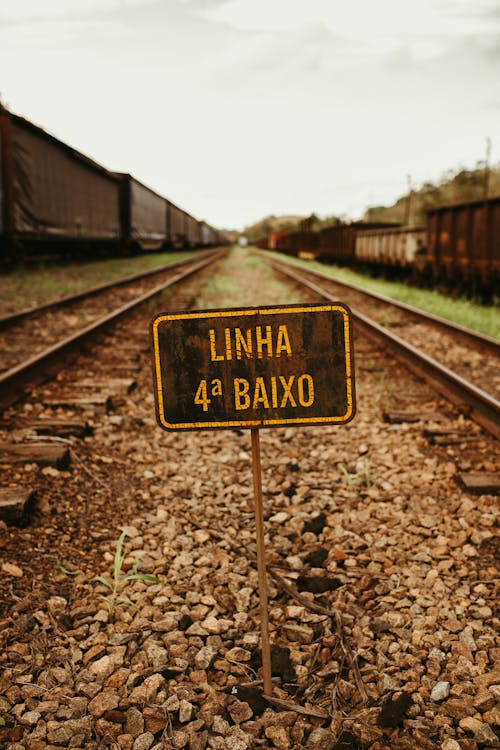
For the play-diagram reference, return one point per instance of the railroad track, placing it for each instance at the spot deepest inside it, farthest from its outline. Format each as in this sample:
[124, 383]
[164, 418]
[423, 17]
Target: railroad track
[6, 321]
[461, 364]
[383, 566]
[50, 337]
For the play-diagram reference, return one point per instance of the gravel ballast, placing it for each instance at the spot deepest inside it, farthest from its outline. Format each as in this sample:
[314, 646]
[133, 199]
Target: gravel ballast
[382, 575]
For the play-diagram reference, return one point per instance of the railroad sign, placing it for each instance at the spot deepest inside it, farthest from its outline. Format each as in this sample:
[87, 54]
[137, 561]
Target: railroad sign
[254, 367]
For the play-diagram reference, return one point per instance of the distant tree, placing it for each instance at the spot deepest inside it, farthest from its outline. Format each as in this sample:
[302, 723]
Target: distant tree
[455, 186]
[270, 224]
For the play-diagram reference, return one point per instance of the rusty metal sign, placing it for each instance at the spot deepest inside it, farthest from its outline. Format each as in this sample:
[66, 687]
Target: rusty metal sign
[254, 367]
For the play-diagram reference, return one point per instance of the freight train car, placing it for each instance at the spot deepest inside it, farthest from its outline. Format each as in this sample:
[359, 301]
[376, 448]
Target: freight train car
[393, 247]
[274, 238]
[208, 235]
[176, 222]
[143, 215]
[301, 244]
[281, 241]
[193, 235]
[458, 249]
[337, 243]
[221, 238]
[52, 197]
[54, 201]
[463, 245]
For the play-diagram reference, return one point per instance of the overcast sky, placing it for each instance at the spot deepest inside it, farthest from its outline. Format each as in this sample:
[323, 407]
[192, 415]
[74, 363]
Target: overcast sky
[236, 109]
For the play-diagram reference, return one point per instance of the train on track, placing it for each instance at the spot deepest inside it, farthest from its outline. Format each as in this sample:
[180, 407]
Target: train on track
[458, 248]
[56, 201]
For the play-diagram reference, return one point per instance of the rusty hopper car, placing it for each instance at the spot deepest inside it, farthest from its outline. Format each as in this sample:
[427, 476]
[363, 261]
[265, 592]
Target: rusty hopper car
[283, 243]
[143, 215]
[273, 239]
[337, 243]
[463, 244]
[397, 247]
[304, 244]
[52, 197]
[262, 244]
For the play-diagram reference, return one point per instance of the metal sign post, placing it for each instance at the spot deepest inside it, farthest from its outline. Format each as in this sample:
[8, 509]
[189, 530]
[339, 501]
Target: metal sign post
[253, 368]
[261, 563]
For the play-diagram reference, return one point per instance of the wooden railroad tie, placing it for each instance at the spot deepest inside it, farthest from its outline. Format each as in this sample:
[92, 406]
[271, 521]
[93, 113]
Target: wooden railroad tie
[13, 503]
[115, 386]
[398, 417]
[43, 454]
[58, 427]
[122, 357]
[480, 483]
[98, 403]
[121, 369]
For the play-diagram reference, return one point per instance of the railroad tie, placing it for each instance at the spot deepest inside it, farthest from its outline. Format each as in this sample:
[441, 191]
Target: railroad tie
[13, 503]
[43, 454]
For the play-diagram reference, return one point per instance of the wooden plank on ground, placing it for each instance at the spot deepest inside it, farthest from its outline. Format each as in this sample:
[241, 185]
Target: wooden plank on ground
[128, 353]
[452, 439]
[480, 483]
[98, 403]
[398, 417]
[450, 436]
[121, 386]
[118, 369]
[13, 502]
[58, 427]
[43, 454]
[61, 427]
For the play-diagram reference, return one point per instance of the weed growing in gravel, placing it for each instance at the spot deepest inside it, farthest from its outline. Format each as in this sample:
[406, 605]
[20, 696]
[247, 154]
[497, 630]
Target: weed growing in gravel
[349, 477]
[115, 598]
[60, 566]
[367, 476]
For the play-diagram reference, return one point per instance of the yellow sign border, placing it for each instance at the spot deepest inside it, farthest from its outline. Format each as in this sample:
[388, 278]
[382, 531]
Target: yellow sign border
[253, 422]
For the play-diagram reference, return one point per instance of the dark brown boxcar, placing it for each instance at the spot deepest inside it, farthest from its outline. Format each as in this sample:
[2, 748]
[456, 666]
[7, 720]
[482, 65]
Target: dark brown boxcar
[207, 234]
[304, 243]
[192, 231]
[144, 215]
[337, 243]
[50, 192]
[280, 241]
[176, 225]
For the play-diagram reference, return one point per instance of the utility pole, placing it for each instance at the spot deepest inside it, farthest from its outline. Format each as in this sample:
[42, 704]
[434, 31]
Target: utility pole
[486, 186]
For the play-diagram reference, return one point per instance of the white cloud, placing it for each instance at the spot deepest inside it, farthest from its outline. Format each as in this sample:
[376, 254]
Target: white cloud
[361, 19]
[236, 108]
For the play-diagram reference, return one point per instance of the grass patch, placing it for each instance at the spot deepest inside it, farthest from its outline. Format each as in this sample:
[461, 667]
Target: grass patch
[241, 279]
[482, 318]
[27, 286]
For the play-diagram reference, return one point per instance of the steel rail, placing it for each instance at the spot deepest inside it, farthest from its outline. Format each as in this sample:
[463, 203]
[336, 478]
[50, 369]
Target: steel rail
[46, 364]
[481, 407]
[479, 339]
[16, 317]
